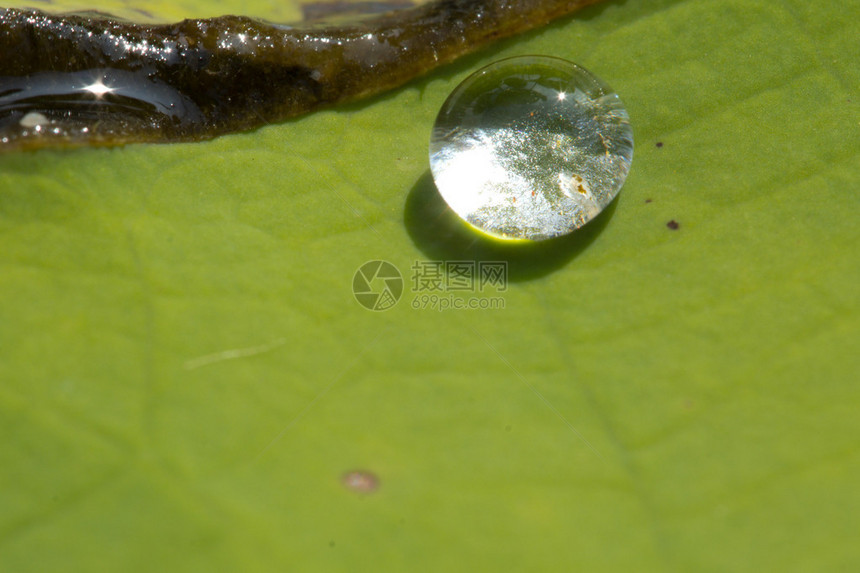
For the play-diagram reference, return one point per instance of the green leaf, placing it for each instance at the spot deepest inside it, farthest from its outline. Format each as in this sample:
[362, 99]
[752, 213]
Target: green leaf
[186, 375]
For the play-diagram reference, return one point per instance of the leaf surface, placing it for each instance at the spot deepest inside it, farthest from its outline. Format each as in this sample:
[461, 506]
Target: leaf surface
[186, 375]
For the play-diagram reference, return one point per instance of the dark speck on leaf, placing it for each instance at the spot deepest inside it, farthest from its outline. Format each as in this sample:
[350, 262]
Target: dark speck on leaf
[647, 200]
[360, 481]
[674, 225]
[659, 144]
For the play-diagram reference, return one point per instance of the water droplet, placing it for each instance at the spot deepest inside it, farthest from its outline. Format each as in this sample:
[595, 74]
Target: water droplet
[531, 147]
[66, 104]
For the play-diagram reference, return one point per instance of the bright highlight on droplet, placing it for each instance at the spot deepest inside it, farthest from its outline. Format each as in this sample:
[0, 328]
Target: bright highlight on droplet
[98, 89]
[531, 147]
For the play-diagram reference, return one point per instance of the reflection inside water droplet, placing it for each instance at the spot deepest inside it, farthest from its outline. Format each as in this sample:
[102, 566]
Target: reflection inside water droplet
[531, 147]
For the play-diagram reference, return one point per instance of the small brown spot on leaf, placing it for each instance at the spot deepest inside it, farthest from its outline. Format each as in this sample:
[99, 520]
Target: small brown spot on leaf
[360, 481]
[659, 144]
[674, 225]
[647, 200]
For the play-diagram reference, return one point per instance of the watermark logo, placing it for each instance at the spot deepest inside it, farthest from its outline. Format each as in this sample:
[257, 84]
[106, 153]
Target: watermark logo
[436, 285]
[377, 285]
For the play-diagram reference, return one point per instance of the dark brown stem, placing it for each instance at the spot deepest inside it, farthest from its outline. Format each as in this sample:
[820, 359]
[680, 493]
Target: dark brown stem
[72, 80]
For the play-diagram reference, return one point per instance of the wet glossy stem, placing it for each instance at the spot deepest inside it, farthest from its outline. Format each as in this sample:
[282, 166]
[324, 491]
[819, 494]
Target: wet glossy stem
[226, 74]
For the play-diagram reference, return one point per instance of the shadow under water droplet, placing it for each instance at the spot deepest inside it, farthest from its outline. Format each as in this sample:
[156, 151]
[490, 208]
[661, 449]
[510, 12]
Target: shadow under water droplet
[441, 235]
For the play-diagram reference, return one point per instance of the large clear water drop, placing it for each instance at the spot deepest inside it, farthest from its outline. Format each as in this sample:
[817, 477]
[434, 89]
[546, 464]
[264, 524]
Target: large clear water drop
[531, 147]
